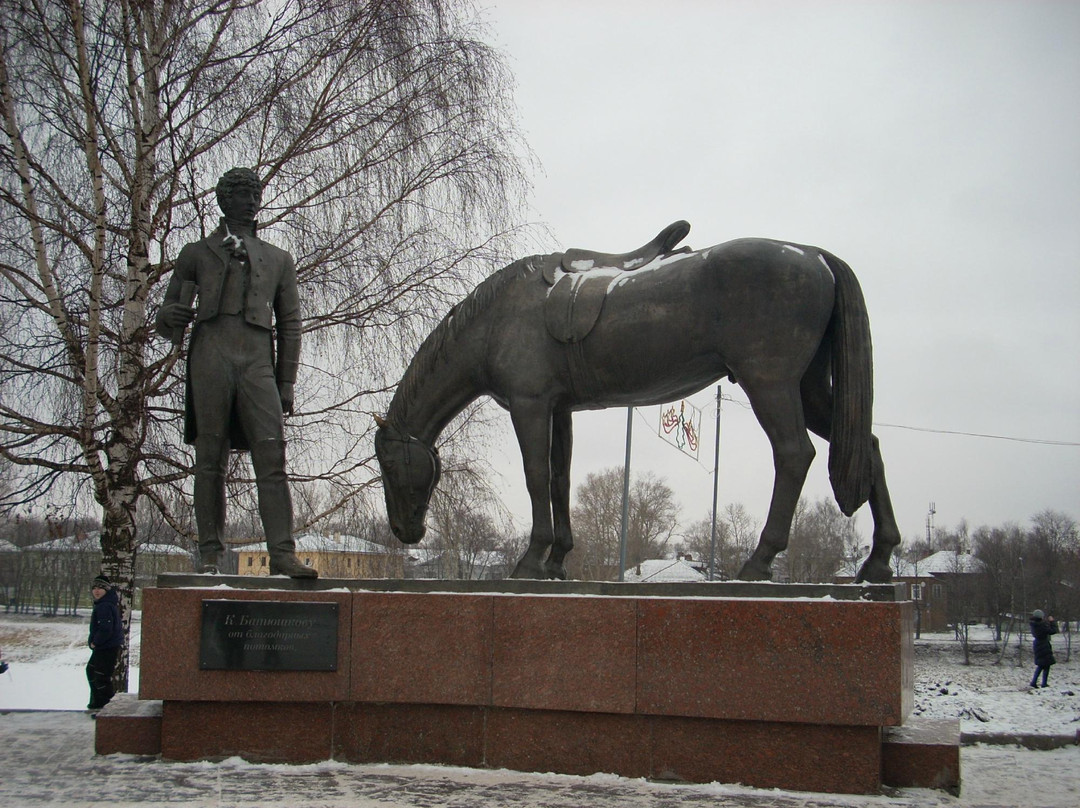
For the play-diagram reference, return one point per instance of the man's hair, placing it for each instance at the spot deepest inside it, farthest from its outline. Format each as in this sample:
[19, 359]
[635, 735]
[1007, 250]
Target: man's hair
[235, 178]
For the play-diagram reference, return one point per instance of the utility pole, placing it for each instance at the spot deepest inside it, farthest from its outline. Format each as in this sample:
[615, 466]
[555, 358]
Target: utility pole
[715, 487]
[1023, 616]
[625, 494]
[930, 526]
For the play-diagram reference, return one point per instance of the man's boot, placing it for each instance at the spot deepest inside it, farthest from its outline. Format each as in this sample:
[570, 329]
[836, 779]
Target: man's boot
[289, 564]
[275, 508]
[211, 455]
[209, 563]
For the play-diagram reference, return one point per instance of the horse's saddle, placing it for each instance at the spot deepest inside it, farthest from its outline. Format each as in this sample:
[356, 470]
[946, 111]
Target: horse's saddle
[577, 294]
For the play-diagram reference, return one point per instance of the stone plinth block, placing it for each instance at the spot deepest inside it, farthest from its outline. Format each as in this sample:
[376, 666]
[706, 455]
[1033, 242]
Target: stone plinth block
[924, 753]
[260, 733]
[420, 649]
[128, 725]
[568, 742]
[802, 757]
[775, 686]
[816, 662]
[565, 653]
[409, 733]
[171, 631]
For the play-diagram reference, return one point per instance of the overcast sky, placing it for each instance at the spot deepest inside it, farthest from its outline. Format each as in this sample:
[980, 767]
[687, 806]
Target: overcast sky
[933, 146]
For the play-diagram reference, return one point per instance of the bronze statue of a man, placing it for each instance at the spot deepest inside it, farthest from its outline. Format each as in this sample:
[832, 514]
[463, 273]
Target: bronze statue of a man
[237, 388]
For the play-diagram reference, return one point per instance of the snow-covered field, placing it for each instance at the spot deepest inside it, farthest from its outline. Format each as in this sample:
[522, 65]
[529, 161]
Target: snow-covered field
[991, 697]
[47, 656]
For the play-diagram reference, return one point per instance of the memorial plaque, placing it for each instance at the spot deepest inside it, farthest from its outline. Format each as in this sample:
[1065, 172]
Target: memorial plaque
[264, 635]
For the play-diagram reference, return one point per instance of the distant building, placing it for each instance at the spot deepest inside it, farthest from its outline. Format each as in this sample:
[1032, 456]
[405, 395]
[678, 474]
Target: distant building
[54, 575]
[336, 556]
[931, 581]
[436, 564]
[153, 559]
[9, 567]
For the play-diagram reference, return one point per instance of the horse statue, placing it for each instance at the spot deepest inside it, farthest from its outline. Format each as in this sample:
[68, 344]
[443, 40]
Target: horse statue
[551, 334]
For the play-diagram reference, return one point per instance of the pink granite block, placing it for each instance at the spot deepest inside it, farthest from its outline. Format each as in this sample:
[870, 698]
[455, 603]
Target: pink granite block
[128, 725]
[810, 661]
[172, 625]
[409, 733]
[568, 742]
[923, 753]
[295, 732]
[905, 643]
[424, 649]
[803, 757]
[565, 653]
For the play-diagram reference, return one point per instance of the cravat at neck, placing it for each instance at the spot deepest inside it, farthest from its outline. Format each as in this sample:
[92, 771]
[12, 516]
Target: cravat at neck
[238, 227]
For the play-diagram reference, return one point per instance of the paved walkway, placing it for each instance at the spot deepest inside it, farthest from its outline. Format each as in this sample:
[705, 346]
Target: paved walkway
[46, 758]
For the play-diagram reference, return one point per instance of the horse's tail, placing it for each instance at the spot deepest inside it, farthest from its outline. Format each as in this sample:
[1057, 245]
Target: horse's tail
[851, 441]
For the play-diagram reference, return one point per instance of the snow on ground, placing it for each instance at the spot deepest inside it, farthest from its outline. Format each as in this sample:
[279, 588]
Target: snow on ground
[989, 696]
[47, 658]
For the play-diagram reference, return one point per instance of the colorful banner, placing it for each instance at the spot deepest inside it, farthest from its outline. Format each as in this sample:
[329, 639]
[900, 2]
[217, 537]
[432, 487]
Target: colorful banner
[680, 425]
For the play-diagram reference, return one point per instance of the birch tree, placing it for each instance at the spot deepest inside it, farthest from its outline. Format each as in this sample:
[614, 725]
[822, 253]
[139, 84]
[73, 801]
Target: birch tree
[384, 134]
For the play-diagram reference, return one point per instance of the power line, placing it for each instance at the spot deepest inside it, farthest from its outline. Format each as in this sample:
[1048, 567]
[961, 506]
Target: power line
[1037, 441]
[981, 435]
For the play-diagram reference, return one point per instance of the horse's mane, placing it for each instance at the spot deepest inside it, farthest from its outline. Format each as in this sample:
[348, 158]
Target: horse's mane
[430, 352]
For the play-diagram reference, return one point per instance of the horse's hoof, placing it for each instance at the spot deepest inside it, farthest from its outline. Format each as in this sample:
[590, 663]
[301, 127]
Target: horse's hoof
[556, 571]
[874, 571]
[755, 571]
[530, 570]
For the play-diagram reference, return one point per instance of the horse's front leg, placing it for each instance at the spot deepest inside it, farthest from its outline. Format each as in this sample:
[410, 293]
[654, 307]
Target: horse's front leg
[562, 440]
[532, 424]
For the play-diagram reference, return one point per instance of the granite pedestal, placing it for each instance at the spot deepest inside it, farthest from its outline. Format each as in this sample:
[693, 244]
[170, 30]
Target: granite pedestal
[776, 686]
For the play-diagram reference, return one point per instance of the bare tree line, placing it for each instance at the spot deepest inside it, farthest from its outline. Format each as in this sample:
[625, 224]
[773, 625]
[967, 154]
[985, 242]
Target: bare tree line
[471, 535]
[1021, 570]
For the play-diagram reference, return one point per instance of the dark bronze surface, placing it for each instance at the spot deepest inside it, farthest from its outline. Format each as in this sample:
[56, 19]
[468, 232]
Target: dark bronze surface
[786, 322]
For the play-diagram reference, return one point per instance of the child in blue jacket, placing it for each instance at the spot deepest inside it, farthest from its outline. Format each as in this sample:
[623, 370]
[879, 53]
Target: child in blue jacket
[106, 639]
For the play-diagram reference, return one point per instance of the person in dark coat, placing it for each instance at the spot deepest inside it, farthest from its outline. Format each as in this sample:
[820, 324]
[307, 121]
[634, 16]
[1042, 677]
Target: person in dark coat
[1041, 629]
[106, 639]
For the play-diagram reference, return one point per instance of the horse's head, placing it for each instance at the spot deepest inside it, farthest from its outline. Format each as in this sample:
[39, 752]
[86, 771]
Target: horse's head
[410, 472]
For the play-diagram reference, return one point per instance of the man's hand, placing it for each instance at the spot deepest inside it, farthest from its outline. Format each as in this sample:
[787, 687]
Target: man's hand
[285, 391]
[177, 315]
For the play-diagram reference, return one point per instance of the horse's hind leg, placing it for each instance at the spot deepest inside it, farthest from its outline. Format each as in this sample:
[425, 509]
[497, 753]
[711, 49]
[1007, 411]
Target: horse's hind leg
[817, 404]
[532, 423]
[876, 569]
[562, 441]
[779, 411]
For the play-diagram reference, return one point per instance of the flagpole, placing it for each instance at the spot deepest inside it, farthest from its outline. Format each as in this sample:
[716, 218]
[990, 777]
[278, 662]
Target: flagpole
[625, 495]
[716, 486]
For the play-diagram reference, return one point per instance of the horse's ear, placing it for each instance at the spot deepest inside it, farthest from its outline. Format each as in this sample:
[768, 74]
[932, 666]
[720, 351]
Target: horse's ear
[380, 422]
